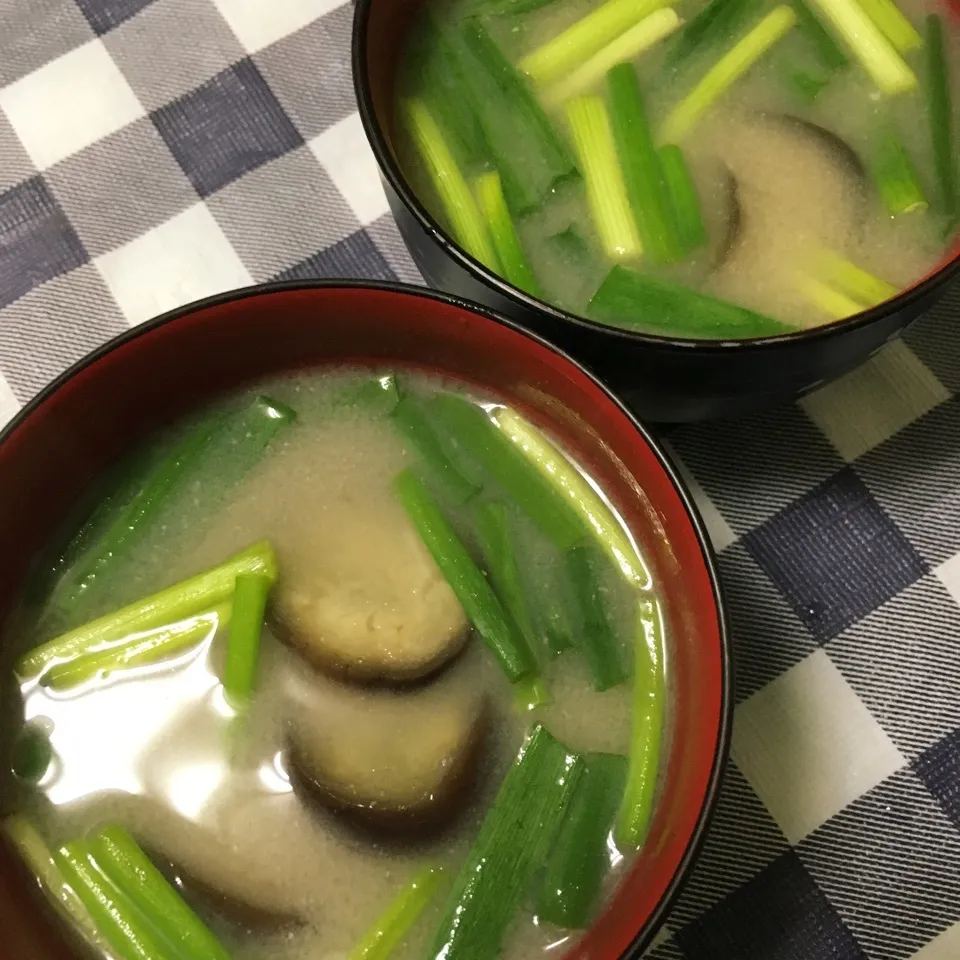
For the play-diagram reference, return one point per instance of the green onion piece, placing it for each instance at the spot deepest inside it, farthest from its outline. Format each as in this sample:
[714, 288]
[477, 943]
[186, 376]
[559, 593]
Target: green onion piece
[411, 420]
[726, 71]
[550, 596]
[389, 930]
[642, 170]
[649, 705]
[183, 599]
[595, 638]
[476, 596]
[940, 116]
[805, 83]
[480, 437]
[518, 830]
[628, 46]
[853, 280]
[893, 24]
[40, 860]
[829, 52]
[448, 182]
[568, 484]
[569, 49]
[685, 200]
[630, 299]
[122, 861]
[32, 753]
[578, 861]
[831, 301]
[570, 244]
[246, 626]
[715, 23]
[530, 693]
[887, 69]
[528, 151]
[116, 918]
[378, 395]
[493, 206]
[510, 7]
[147, 648]
[895, 176]
[593, 140]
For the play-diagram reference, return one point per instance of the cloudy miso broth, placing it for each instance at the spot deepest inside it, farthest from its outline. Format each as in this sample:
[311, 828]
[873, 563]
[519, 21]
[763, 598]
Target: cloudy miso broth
[322, 650]
[729, 168]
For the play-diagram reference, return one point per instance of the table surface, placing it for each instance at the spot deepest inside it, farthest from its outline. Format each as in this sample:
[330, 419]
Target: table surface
[156, 151]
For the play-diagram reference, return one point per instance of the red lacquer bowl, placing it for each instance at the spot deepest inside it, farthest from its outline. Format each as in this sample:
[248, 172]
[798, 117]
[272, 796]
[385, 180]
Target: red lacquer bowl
[81, 424]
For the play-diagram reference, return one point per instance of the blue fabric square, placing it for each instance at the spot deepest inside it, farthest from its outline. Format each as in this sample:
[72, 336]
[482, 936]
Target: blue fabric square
[835, 555]
[939, 769]
[357, 256]
[104, 15]
[230, 125]
[781, 914]
[37, 241]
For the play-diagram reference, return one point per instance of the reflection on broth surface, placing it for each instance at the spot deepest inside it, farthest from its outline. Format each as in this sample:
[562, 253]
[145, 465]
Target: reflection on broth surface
[704, 168]
[458, 700]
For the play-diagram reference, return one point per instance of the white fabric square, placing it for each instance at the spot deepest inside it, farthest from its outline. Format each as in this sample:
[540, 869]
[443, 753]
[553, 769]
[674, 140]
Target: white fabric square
[182, 260]
[721, 534]
[9, 404]
[809, 746]
[258, 23]
[944, 947]
[345, 154]
[948, 573]
[69, 103]
[877, 400]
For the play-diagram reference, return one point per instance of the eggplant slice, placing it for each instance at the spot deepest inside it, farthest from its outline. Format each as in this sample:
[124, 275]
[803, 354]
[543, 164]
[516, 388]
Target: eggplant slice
[375, 608]
[397, 764]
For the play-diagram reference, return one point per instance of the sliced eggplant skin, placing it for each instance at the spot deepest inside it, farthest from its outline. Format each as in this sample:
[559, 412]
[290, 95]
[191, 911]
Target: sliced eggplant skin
[734, 221]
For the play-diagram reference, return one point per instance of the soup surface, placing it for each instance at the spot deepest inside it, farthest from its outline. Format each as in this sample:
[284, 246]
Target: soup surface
[435, 601]
[733, 168]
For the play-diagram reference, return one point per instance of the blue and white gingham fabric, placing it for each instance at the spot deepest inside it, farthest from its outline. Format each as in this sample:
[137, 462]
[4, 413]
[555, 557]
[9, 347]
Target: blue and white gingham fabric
[157, 151]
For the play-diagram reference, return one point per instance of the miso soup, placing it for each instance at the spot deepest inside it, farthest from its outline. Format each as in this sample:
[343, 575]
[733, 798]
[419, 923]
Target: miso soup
[719, 169]
[350, 666]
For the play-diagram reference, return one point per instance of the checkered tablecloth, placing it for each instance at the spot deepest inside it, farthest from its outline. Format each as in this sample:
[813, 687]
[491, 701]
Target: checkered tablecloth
[157, 151]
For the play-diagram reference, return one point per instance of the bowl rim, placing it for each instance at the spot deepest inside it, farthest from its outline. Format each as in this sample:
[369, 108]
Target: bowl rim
[725, 719]
[390, 169]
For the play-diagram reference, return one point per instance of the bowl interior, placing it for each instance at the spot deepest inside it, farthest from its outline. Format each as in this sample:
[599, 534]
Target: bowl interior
[85, 421]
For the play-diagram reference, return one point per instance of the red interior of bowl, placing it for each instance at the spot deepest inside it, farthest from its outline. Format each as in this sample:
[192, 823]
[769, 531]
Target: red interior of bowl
[58, 446]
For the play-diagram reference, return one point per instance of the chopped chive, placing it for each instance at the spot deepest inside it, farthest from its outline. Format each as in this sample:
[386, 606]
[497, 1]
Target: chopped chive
[40, 860]
[568, 484]
[853, 280]
[570, 244]
[894, 175]
[493, 206]
[411, 420]
[32, 753]
[566, 51]
[830, 52]
[808, 85]
[595, 637]
[684, 198]
[649, 706]
[593, 140]
[628, 46]
[887, 69]
[528, 151]
[123, 863]
[530, 693]
[515, 835]
[578, 860]
[243, 645]
[140, 650]
[715, 23]
[643, 173]
[480, 437]
[550, 596]
[726, 71]
[183, 599]
[509, 7]
[391, 927]
[940, 115]
[448, 182]
[831, 301]
[632, 300]
[476, 596]
[893, 24]
[379, 395]
[115, 917]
